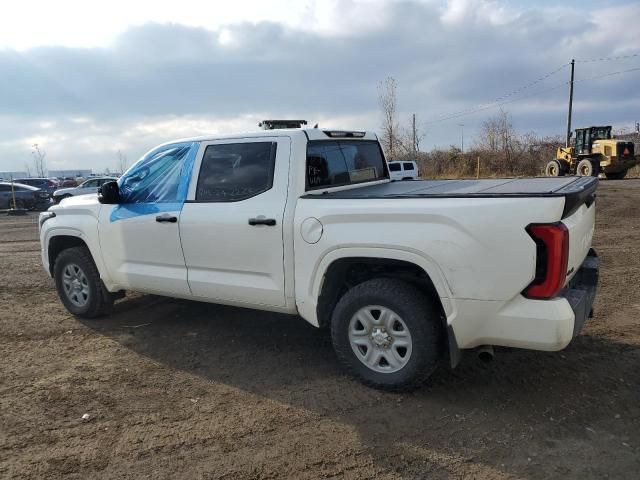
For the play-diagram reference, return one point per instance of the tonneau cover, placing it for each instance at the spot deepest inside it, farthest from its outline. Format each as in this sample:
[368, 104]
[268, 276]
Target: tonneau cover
[576, 190]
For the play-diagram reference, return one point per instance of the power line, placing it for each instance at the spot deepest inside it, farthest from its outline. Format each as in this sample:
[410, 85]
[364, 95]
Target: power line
[496, 104]
[487, 106]
[619, 72]
[609, 59]
[484, 106]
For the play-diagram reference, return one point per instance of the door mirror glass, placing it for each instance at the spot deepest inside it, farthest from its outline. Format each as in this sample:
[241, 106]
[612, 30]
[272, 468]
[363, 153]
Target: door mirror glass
[109, 193]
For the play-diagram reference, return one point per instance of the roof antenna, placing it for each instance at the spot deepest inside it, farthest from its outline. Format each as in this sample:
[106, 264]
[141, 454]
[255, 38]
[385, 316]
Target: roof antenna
[315, 126]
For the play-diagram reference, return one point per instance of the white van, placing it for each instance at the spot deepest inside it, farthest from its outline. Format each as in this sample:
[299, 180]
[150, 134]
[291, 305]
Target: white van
[403, 170]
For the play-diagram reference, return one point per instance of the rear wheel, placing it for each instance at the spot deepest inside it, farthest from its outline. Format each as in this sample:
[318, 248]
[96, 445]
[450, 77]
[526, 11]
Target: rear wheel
[387, 334]
[587, 168]
[616, 176]
[79, 285]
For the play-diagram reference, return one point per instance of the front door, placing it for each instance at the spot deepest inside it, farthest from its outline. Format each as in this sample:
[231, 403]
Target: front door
[232, 225]
[140, 237]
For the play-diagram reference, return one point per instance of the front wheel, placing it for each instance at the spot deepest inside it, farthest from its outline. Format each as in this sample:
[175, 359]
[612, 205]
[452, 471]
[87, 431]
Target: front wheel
[387, 334]
[79, 285]
[554, 169]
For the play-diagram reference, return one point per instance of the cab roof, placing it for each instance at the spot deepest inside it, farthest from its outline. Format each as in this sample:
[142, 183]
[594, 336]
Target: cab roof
[310, 133]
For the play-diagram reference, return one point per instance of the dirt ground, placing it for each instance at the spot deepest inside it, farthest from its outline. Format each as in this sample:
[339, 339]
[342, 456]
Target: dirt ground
[177, 389]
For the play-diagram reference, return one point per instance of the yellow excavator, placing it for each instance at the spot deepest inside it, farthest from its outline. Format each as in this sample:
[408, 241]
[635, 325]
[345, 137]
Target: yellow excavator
[594, 152]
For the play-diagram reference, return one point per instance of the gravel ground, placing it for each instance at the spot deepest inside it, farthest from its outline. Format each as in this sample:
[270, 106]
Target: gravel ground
[176, 389]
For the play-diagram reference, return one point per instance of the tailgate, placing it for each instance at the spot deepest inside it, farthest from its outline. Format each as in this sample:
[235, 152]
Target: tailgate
[580, 224]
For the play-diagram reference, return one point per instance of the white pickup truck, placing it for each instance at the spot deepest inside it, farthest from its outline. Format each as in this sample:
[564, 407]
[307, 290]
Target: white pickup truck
[306, 222]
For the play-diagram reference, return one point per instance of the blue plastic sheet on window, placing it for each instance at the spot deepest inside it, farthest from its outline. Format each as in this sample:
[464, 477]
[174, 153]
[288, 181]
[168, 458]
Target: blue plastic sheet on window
[157, 183]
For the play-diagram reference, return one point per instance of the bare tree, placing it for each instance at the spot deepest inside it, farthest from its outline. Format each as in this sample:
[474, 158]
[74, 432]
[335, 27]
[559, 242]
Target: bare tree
[122, 162]
[387, 99]
[39, 163]
[27, 169]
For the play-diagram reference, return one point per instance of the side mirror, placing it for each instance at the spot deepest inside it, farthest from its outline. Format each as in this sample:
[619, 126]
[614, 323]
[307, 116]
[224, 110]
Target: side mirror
[109, 193]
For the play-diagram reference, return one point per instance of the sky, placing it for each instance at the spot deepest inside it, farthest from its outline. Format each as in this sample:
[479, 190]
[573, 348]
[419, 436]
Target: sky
[86, 80]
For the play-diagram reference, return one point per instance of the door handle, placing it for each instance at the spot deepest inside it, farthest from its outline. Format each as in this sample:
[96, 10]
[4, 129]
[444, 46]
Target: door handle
[270, 222]
[166, 218]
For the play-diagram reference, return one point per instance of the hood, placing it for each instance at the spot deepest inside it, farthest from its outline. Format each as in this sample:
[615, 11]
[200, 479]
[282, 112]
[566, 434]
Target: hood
[62, 191]
[79, 204]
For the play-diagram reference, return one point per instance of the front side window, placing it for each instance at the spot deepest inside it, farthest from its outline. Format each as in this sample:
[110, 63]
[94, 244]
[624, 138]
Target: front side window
[90, 184]
[394, 167]
[232, 172]
[161, 176]
[343, 162]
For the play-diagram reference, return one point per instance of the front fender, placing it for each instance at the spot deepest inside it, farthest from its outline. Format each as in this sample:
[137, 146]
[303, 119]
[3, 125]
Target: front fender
[48, 234]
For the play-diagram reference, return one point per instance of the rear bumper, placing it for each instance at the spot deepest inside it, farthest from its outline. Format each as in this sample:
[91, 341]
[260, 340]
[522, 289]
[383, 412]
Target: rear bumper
[581, 291]
[547, 325]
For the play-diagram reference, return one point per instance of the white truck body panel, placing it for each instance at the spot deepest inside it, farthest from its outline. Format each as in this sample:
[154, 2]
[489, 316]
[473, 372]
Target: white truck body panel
[476, 251]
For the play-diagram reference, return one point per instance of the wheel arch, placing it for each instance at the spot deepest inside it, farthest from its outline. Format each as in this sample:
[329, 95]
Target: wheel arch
[338, 275]
[60, 242]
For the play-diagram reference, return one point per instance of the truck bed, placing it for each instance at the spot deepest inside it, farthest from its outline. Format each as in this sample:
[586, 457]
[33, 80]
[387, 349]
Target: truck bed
[576, 190]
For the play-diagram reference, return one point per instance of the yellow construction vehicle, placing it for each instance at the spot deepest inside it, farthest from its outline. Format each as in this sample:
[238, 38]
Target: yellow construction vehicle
[594, 152]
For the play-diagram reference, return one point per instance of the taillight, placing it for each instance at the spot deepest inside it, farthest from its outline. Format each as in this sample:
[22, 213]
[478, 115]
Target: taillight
[552, 257]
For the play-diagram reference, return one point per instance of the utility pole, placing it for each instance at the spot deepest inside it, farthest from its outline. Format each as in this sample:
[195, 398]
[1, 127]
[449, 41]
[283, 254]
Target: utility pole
[413, 130]
[462, 138]
[573, 63]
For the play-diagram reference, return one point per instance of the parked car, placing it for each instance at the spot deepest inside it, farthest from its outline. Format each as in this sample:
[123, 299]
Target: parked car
[48, 185]
[28, 197]
[88, 186]
[307, 222]
[68, 182]
[403, 170]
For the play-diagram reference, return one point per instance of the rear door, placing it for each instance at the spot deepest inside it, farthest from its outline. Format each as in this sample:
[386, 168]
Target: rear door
[232, 224]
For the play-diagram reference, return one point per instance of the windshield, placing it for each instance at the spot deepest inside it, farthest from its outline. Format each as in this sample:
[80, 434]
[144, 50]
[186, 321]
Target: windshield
[601, 133]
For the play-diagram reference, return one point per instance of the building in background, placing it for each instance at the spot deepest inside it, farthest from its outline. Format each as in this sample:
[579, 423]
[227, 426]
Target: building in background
[70, 173]
[9, 175]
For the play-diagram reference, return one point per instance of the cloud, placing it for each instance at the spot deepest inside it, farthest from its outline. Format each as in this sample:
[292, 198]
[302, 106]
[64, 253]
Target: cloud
[159, 81]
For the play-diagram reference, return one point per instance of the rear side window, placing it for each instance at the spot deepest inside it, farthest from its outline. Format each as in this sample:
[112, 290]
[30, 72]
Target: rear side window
[343, 162]
[232, 172]
[408, 165]
[394, 167]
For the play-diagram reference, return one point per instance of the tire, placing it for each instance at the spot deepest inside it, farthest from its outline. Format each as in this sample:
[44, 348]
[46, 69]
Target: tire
[79, 285]
[410, 311]
[587, 168]
[616, 176]
[554, 169]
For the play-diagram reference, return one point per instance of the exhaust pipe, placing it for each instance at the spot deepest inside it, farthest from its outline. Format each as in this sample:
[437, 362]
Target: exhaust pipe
[485, 353]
